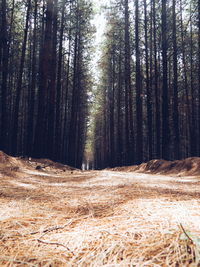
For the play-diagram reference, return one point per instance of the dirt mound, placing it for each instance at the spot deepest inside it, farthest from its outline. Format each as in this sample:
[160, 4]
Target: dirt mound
[14, 163]
[189, 166]
[46, 164]
[8, 161]
[3, 157]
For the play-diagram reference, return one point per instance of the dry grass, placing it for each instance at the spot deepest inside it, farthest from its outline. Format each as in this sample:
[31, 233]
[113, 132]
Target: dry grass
[98, 219]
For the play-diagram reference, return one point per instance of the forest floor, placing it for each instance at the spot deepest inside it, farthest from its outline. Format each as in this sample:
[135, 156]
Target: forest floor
[53, 215]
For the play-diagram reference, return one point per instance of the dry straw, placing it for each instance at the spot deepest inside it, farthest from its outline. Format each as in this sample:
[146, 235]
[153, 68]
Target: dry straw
[54, 217]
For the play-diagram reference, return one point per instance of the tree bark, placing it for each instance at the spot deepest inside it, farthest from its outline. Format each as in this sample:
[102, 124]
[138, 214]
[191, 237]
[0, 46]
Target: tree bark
[4, 55]
[19, 84]
[148, 87]
[30, 127]
[165, 104]
[139, 112]
[41, 138]
[129, 154]
[175, 89]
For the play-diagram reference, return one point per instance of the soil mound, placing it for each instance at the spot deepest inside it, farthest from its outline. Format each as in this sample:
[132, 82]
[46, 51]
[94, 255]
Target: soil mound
[14, 163]
[8, 161]
[3, 157]
[46, 164]
[188, 166]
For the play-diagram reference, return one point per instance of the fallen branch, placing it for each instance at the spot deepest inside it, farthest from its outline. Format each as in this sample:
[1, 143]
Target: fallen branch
[55, 244]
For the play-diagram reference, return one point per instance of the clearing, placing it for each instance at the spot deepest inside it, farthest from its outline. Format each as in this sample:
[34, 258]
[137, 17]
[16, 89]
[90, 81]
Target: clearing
[53, 215]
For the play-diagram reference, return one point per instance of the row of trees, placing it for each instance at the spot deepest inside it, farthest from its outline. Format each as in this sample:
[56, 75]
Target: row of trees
[150, 83]
[45, 49]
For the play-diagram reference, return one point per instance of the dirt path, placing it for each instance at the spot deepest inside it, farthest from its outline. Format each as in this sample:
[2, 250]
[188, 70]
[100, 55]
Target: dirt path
[97, 219]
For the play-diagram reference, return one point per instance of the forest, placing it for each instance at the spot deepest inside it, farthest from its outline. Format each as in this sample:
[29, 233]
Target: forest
[145, 103]
[149, 90]
[44, 57]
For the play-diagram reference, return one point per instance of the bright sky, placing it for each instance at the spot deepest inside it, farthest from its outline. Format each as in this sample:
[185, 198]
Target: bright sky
[100, 22]
[99, 19]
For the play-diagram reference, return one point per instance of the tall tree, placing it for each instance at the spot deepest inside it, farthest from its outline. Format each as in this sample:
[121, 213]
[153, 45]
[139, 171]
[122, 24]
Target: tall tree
[148, 84]
[32, 91]
[4, 54]
[19, 82]
[165, 104]
[128, 91]
[40, 143]
[199, 69]
[59, 86]
[156, 86]
[139, 140]
[175, 88]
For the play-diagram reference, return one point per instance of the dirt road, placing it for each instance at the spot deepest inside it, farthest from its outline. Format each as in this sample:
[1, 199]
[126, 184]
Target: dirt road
[97, 218]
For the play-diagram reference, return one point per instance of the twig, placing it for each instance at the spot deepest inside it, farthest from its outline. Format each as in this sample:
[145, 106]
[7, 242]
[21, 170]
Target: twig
[54, 228]
[55, 244]
[182, 228]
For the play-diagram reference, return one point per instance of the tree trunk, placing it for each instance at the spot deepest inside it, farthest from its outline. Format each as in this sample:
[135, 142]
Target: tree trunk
[157, 91]
[193, 104]
[58, 88]
[74, 105]
[199, 70]
[148, 88]
[30, 127]
[139, 115]
[119, 120]
[4, 55]
[175, 89]
[129, 154]
[165, 104]
[188, 122]
[52, 84]
[41, 140]
[19, 85]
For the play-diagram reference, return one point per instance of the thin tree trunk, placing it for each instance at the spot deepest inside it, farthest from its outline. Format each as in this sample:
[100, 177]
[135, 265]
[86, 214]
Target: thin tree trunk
[73, 120]
[58, 88]
[65, 135]
[4, 50]
[30, 127]
[119, 122]
[175, 89]
[199, 70]
[148, 88]
[139, 115]
[157, 91]
[112, 117]
[165, 104]
[188, 123]
[193, 104]
[10, 82]
[19, 84]
[52, 85]
[129, 154]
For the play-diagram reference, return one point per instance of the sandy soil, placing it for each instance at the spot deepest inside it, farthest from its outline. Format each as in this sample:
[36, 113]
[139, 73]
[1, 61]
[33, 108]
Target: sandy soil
[52, 217]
